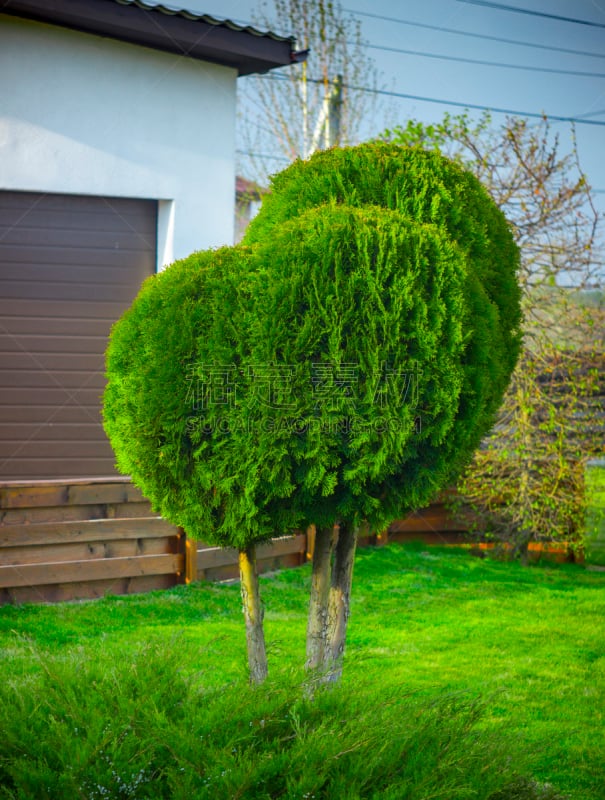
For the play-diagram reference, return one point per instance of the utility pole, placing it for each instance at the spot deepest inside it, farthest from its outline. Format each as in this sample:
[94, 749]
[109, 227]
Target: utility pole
[332, 129]
[328, 121]
[305, 110]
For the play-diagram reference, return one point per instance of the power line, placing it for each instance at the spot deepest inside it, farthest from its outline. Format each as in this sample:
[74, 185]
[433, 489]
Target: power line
[486, 36]
[479, 107]
[487, 63]
[262, 155]
[455, 103]
[503, 7]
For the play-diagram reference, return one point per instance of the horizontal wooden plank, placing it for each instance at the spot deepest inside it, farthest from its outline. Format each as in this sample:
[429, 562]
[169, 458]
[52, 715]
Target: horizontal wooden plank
[100, 569]
[87, 551]
[62, 592]
[276, 563]
[19, 516]
[210, 557]
[69, 493]
[228, 572]
[434, 518]
[437, 537]
[284, 545]
[38, 495]
[216, 557]
[33, 484]
[94, 530]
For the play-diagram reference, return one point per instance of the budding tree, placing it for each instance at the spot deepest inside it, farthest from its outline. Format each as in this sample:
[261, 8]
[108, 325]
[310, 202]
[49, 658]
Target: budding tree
[526, 482]
[312, 104]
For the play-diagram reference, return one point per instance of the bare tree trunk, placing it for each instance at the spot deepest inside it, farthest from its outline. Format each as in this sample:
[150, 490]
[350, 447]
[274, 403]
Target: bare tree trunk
[253, 613]
[339, 601]
[317, 627]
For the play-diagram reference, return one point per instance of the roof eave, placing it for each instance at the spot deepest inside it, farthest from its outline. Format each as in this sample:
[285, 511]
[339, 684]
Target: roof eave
[195, 36]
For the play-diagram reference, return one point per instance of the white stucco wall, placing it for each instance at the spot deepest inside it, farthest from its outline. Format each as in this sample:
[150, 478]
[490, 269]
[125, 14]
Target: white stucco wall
[81, 114]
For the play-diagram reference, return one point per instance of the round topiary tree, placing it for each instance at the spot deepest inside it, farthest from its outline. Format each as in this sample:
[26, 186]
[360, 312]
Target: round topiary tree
[397, 266]
[338, 368]
[173, 363]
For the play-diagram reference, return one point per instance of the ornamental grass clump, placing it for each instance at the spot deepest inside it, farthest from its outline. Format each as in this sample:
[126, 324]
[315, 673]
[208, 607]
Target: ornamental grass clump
[337, 368]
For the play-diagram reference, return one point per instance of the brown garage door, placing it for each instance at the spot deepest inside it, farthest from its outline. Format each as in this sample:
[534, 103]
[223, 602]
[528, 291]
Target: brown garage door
[69, 266]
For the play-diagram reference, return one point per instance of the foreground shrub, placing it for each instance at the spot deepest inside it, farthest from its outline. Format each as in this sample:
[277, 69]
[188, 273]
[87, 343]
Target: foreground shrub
[148, 729]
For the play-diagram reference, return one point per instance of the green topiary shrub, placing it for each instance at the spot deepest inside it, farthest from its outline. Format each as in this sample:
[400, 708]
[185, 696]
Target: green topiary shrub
[184, 321]
[374, 333]
[396, 260]
[340, 366]
[172, 362]
[423, 186]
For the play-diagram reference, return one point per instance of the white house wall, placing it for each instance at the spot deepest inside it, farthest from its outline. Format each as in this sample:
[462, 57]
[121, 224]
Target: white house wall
[82, 114]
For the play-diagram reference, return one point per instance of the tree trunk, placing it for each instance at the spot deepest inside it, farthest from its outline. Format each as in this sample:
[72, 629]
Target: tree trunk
[317, 627]
[253, 613]
[339, 601]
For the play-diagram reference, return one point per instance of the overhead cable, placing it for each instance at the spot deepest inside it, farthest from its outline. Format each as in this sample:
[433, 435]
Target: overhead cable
[486, 36]
[455, 103]
[530, 12]
[483, 63]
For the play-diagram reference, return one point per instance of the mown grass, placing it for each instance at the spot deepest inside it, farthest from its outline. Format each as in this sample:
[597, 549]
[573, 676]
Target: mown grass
[464, 678]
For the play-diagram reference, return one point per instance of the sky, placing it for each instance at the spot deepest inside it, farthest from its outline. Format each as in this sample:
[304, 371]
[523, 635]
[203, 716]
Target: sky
[538, 76]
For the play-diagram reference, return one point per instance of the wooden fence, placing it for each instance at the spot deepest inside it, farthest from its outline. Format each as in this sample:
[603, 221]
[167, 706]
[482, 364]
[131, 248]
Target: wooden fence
[83, 539]
[88, 538]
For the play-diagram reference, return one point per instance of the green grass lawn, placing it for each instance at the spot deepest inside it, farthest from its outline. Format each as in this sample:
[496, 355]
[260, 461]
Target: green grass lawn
[462, 676]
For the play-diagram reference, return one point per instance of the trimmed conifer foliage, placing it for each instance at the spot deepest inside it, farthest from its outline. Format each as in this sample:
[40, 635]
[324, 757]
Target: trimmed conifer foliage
[182, 325]
[429, 318]
[341, 365]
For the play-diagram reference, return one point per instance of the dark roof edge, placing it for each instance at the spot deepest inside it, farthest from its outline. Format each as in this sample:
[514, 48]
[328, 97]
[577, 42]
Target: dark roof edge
[160, 27]
[194, 16]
